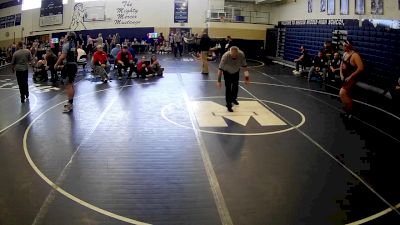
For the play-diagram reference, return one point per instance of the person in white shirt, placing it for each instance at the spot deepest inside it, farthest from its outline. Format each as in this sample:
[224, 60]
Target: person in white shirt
[80, 53]
[99, 40]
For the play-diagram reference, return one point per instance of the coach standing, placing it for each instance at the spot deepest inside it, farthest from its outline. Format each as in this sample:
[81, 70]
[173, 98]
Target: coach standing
[229, 66]
[205, 45]
[20, 64]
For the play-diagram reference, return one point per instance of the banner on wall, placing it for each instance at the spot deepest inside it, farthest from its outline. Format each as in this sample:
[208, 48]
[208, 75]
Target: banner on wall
[336, 22]
[10, 21]
[181, 11]
[51, 13]
[127, 13]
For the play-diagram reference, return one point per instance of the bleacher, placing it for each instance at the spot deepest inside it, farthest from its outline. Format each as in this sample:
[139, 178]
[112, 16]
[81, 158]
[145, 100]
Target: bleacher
[378, 47]
[311, 36]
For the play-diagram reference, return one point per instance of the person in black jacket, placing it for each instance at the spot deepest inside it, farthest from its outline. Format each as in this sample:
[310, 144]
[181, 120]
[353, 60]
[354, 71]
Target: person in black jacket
[229, 43]
[205, 45]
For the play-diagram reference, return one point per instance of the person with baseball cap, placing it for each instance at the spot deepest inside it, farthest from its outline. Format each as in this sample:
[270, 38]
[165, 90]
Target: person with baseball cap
[125, 60]
[100, 63]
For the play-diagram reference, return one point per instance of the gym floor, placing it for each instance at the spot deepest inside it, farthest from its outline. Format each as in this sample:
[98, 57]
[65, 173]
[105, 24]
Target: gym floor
[166, 151]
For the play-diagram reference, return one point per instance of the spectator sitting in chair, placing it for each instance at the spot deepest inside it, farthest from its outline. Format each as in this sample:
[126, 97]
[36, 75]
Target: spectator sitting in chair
[115, 51]
[334, 67]
[319, 66]
[40, 72]
[303, 60]
[328, 50]
[100, 63]
[143, 68]
[155, 66]
[167, 47]
[80, 53]
[125, 60]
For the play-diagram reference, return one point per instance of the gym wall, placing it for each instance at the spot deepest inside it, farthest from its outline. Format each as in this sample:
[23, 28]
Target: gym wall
[142, 13]
[298, 11]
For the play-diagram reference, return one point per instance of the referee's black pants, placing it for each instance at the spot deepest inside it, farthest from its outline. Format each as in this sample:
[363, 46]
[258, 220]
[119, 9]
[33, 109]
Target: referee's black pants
[232, 87]
[22, 78]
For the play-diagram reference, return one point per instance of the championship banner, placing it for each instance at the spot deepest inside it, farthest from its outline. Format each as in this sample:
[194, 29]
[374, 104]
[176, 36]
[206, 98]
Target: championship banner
[51, 13]
[181, 10]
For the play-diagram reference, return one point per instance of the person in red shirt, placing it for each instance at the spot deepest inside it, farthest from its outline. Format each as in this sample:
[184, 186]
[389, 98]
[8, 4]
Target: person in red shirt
[125, 60]
[100, 63]
[143, 67]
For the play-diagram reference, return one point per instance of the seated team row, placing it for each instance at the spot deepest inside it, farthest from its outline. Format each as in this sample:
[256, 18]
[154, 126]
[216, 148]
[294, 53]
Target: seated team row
[325, 65]
[101, 63]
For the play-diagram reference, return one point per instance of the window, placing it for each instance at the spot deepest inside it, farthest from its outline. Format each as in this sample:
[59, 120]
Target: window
[35, 4]
[85, 0]
[31, 4]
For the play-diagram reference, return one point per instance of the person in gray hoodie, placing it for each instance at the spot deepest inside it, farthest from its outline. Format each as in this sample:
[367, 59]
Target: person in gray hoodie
[20, 65]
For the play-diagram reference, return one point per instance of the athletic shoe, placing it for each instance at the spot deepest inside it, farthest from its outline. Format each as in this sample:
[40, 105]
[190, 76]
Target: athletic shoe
[295, 72]
[68, 107]
[119, 77]
[346, 116]
[229, 107]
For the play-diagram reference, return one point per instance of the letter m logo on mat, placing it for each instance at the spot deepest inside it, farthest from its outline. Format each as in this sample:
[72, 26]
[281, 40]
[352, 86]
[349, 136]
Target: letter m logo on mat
[211, 114]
